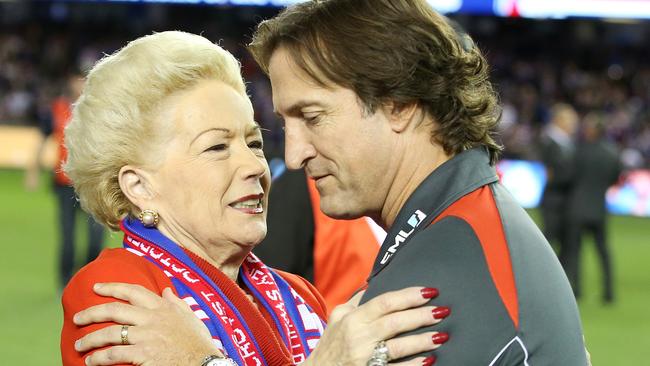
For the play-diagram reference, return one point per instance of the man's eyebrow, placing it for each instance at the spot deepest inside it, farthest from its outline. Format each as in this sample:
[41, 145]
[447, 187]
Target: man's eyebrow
[225, 130]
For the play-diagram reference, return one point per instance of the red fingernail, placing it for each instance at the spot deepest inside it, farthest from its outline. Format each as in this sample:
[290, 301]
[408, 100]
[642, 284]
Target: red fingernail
[429, 292]
[429, 361]
[440, 338]
[441, 312]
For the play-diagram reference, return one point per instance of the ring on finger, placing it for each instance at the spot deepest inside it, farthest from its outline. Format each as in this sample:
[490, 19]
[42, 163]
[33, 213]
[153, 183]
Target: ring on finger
[124, 334]
[380, 355]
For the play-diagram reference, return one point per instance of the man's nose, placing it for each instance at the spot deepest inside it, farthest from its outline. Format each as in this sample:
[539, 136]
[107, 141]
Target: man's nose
[298, 147]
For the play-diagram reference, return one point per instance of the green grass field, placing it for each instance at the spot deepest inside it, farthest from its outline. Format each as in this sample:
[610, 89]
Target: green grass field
[30, 310]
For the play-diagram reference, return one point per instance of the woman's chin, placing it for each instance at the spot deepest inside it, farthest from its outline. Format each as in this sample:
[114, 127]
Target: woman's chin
[253, 237]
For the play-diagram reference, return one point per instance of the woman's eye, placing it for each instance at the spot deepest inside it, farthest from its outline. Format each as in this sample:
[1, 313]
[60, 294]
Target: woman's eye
[256, 144]
[219, 147]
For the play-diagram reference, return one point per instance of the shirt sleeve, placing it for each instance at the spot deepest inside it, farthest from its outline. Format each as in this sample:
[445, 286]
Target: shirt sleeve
[514, 353]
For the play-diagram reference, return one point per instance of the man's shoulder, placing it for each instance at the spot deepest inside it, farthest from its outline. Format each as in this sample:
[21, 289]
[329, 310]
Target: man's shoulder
[448, 256]
[492, 301]
[437, 253]
[452, 226]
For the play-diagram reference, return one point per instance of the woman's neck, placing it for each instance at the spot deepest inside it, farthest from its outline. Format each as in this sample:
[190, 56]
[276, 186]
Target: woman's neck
[227, 257]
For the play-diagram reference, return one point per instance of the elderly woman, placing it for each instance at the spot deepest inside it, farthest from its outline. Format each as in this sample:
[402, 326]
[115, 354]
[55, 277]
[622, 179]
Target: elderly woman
[163, 147]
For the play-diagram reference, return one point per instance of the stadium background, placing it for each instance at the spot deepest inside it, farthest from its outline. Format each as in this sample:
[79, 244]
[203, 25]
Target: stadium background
[597, 62]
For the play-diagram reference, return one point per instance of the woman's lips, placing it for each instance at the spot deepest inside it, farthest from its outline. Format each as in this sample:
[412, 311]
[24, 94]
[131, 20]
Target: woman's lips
[251, 204]
[251, 211]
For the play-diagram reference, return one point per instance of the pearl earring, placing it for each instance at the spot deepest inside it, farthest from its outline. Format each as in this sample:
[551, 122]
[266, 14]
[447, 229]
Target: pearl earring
[149, 218]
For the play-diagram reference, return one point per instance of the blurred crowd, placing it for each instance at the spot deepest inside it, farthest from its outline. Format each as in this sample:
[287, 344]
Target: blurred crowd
[618, 91]
[530, 89]
[592, 65]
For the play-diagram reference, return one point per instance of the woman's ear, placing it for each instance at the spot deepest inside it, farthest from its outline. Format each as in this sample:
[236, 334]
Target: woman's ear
[402, 115]
[135, 184]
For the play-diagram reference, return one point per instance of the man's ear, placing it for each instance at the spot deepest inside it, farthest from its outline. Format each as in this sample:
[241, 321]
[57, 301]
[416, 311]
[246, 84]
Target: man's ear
[135, 184]
[402, 115]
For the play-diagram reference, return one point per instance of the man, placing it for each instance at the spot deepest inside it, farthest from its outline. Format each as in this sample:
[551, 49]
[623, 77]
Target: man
[557, 152]
[58, 118]
[390, 111]
[597, 166]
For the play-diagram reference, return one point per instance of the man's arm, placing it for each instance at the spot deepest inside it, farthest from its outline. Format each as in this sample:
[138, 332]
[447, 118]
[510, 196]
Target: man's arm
[449, 253]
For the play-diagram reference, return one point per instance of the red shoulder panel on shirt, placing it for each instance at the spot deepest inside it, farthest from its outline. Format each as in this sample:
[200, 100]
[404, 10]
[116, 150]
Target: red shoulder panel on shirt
[479, 210]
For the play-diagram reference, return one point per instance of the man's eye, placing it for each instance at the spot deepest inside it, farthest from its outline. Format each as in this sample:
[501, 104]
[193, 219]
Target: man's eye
[256, 144]
[312, 118]
[219, 147]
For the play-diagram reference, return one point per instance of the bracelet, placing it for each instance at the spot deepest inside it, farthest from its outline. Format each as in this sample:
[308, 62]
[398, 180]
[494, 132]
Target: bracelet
[214, 360]
[208, 359]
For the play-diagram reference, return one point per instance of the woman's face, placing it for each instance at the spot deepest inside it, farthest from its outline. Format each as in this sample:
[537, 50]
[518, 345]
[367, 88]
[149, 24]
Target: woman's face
[212, 187]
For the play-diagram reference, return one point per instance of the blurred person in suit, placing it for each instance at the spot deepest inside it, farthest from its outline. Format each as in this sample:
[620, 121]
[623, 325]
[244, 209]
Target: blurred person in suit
[54, 124]
[597, 166]
[557, 149]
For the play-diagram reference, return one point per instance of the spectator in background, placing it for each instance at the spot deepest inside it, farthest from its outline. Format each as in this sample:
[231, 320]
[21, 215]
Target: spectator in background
[532, 66]
[597, 166]
[54, 124]
[557, 152]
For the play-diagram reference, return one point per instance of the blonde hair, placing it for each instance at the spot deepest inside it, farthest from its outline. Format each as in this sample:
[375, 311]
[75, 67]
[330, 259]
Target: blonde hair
[113, 122]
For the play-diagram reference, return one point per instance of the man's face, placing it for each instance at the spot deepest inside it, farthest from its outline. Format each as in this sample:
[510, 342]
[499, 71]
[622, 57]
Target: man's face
[567, 120]
[75, 86]
[345, 149]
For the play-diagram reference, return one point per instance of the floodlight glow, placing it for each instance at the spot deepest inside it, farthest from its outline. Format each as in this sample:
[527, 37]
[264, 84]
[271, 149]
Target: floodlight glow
[443, 6]
[525, 180]
[446, 6]
[631, 196]
[573, 8]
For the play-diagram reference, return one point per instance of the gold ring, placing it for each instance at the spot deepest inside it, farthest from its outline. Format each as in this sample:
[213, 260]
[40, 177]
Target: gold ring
[125, 334]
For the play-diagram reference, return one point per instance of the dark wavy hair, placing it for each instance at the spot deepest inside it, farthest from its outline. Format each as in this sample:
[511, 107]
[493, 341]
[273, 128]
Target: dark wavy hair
[391, 50]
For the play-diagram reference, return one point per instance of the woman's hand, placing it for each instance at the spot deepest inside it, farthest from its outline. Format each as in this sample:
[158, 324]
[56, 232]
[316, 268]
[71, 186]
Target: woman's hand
[163, 331]
[354, 332]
